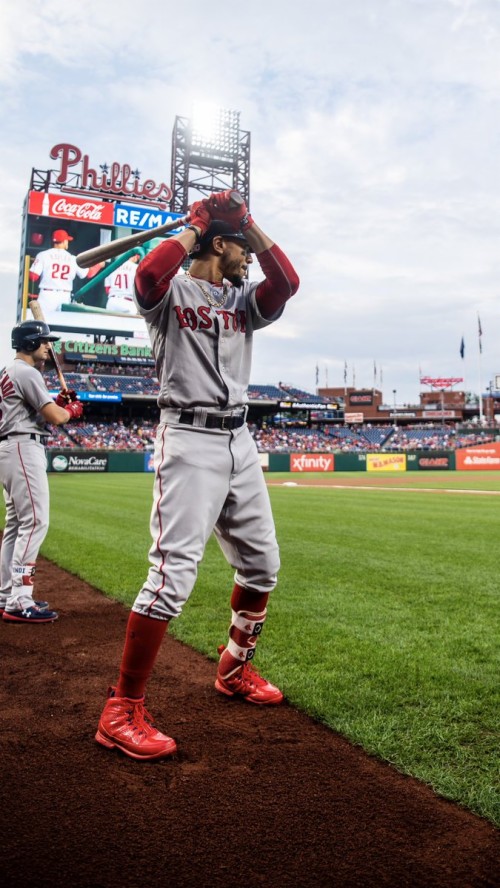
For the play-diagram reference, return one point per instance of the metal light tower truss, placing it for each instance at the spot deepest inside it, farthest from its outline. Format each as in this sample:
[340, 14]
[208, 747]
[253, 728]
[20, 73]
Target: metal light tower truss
[209, 155]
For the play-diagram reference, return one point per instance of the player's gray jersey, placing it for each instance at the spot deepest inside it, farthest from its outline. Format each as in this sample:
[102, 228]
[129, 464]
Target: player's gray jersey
[23, 393]
[192, 339]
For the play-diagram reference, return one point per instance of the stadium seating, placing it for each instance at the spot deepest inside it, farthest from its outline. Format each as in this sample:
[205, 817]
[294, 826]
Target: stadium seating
[299, 395]
[285, 435]
[139, 435]
[265, 393]
[377, 436]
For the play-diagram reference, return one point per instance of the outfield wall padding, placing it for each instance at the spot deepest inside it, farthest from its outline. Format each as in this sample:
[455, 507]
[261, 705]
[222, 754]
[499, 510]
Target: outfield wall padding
[279, 462]
[62, 461]
[350, 462]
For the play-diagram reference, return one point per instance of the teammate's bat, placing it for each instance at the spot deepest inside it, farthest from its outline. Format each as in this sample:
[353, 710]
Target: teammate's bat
[122, 244]
[37, 312]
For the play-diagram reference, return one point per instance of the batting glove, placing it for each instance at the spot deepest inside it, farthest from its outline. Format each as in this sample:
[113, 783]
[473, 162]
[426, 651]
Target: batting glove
[222, 208]
[65, 397]
[200, 216]
[74, 408]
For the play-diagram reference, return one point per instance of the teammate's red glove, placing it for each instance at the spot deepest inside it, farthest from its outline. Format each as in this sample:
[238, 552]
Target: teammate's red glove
[222, 208]
[65, 397]
[74, 408]
[199, 215]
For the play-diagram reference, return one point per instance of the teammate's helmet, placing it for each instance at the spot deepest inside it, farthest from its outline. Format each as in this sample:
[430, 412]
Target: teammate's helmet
[29, 335]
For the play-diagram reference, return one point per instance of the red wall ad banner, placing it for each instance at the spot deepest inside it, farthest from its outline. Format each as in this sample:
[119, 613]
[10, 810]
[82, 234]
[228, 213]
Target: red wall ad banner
[482, 457]
[58, 206]
[311, 462]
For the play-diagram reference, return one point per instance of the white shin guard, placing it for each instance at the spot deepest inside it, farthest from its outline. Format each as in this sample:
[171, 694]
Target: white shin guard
[249, 624]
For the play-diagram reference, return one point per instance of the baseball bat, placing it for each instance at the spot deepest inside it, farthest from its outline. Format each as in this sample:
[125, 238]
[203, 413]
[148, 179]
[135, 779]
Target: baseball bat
[37, 312]
[122, 244]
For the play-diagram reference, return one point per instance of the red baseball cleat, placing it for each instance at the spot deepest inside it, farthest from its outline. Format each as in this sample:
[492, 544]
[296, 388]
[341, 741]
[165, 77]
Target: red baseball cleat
[246, 682]
[127, 725]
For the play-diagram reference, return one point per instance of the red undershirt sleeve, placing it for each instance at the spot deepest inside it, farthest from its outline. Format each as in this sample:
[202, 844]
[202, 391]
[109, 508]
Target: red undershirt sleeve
[156, 271]
[280, 284]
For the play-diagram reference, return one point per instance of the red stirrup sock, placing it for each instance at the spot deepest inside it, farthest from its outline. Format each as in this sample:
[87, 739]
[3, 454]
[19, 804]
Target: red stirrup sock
[142, 643]
[248, 616]
[244, 599]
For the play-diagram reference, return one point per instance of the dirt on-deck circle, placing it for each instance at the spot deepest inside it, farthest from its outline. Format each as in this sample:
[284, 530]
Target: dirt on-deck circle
[255, 796]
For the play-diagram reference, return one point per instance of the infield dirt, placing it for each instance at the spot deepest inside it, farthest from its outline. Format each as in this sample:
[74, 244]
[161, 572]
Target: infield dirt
[255, 796]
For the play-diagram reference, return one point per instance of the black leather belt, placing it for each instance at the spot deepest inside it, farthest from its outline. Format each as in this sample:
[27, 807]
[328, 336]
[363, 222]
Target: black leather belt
[42, 439]
[213, 421]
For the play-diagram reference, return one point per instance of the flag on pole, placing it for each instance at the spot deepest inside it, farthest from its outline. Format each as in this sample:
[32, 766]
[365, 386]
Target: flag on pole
[462, 348]
[480, 333]
[375, 373]
[345, 371]
[317, 374]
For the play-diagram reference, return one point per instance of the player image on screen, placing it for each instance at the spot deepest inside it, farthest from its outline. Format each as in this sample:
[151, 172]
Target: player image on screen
[119, 286]
[54, 271]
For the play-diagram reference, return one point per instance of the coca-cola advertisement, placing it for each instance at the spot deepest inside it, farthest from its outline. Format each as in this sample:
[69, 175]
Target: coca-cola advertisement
[57, 206]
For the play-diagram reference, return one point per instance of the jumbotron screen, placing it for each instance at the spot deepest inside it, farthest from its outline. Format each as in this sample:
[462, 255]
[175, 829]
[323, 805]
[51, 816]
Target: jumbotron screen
[77, 301]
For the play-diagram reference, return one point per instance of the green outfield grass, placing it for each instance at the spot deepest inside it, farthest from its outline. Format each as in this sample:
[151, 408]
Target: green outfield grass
[384, 625]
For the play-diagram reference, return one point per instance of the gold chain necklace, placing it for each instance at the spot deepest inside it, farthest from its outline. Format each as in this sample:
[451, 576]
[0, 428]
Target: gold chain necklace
[209, 296]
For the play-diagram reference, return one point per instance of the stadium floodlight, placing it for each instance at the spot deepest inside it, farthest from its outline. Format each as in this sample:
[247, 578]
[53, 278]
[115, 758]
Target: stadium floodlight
[214, 130]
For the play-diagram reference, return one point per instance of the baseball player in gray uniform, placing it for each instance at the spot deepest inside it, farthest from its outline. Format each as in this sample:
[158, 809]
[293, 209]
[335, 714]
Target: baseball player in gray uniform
[25, 407]
[207, 470]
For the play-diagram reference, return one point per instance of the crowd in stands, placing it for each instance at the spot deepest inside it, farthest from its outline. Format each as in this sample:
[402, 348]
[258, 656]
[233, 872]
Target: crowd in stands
[134, 381]
[141, 380]
[126, 384]
[365, 438]
[116, 369]
[104, 436]
[139, 435]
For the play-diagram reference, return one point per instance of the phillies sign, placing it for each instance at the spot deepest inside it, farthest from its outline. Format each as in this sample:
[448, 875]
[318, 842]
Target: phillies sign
[117, 179]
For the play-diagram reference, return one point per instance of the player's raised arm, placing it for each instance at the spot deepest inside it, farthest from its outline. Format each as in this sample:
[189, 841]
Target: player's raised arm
[281, 279]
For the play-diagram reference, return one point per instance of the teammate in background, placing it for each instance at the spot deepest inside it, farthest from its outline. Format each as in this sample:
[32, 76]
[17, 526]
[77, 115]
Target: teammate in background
[55, 270]
[119, 286]
[207, 470]
[25, 406]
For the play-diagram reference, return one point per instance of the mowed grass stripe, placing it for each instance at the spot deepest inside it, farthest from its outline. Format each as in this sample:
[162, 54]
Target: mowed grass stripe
[384, 625]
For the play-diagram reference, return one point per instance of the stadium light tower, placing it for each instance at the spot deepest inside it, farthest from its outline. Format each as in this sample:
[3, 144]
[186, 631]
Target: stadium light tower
[214, 131]
[209, 153]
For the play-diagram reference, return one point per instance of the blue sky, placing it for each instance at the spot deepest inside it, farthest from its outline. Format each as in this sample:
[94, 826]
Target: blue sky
[375, 159]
